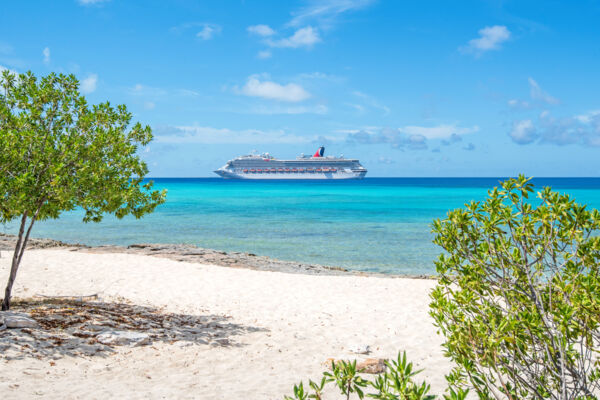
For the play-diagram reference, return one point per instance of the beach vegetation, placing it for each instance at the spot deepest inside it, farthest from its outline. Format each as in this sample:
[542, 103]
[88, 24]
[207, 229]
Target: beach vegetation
[396, 383]
[58, 153]
[518, 295]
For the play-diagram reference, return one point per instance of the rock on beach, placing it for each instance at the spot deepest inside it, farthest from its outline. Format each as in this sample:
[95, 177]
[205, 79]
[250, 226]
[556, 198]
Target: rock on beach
[17, 320]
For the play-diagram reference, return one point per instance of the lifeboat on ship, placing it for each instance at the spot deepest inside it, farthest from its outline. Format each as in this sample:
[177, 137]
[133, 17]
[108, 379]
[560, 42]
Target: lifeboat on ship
[246, 170]
[252, 170]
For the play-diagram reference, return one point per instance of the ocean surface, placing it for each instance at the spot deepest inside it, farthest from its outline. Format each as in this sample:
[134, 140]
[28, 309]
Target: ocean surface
[375, 224]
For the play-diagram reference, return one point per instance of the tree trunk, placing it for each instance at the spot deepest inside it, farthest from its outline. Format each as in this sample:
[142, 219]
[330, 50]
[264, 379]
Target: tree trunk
[14, 266]
[17, 256]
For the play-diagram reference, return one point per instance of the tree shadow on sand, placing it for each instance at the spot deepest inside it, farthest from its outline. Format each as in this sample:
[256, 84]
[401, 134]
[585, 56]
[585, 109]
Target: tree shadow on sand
[70, 327]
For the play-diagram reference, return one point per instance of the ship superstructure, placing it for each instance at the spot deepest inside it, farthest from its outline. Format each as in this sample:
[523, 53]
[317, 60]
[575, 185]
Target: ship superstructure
[265, 166]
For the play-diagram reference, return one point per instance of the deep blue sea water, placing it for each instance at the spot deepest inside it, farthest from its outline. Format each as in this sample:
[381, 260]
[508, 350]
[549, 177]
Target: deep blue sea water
[375, 224]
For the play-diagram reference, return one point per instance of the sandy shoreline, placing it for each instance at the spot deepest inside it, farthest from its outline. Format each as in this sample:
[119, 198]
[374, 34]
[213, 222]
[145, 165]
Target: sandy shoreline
[191, 253]
[288, 325]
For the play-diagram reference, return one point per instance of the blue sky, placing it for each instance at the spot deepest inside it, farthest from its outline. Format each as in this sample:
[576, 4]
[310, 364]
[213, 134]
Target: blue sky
[427, 88]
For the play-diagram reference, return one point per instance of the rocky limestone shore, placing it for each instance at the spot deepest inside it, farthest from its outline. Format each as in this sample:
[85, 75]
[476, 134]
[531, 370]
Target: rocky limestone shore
[191, 253]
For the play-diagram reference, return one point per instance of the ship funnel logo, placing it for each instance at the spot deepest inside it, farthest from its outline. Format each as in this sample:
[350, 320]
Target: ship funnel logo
[320, 152]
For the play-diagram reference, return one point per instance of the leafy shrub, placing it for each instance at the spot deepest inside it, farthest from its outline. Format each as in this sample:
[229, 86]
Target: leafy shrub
[518, 297]
[396, 383]
[518, 301]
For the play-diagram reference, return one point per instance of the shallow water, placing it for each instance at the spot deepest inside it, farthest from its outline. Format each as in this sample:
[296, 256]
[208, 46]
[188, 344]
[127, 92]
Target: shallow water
[376, 224]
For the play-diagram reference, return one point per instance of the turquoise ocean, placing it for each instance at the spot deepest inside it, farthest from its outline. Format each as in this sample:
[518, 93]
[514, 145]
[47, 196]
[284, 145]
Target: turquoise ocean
[375, 224]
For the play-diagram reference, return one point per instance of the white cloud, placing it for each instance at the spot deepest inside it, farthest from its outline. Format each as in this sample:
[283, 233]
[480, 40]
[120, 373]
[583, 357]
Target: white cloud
[264, 54]
[489, 38]
[149, 105]
[271, 90]
[581, 129]
[539, 98]
[12, 71]
[537, 93]
[88, 85]
[411, 137]
[385, 160]
[303, 37]
[146, 91]
[209, 135]
[208, 31]
[274, 110]
[518, 104]
[326, 12]
[91, 2]
[46, 53]
[588, 117]
[442, 131]
[372, 102]
[523, 132]
[261, 30]
[359, 108]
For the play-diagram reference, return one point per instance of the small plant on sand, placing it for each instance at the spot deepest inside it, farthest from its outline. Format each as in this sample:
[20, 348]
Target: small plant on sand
[395, 384]
[58, 153]
[518, 296]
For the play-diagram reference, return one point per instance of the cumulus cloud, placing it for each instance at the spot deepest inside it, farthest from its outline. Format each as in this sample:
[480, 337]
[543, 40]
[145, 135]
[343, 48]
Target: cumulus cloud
[210, 135]
[589, 117]
[454, 138]
[581, 129]
[290, 92]
[394, 137]
[489, 38]
[523, 132]
[440, 131]
[411, 137]
[303, 37]
[326, 12]
[261, 30]
[46, 53]
[88, 85]
[208, 31]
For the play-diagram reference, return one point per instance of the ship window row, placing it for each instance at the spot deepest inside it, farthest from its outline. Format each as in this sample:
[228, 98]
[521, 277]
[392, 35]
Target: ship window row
[288, 170]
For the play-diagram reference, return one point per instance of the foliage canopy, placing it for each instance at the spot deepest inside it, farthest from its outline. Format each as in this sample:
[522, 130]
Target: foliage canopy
[518, 297]
[58, 153]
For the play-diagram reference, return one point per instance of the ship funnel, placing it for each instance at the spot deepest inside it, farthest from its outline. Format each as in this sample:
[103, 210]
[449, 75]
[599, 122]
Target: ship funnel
[320, 152]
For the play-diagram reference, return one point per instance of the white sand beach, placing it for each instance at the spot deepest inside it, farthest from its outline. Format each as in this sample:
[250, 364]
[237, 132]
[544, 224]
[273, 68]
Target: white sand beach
[286, 326]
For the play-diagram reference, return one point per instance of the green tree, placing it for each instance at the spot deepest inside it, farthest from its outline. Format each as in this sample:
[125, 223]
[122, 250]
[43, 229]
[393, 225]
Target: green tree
[518, 296]
[58, 153]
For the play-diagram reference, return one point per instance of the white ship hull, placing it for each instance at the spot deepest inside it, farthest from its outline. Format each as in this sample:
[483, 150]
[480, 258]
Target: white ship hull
[292, 175]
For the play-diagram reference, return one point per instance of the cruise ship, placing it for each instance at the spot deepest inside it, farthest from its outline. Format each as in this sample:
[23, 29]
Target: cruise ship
[265, 166]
